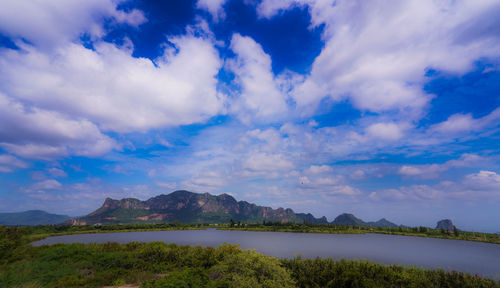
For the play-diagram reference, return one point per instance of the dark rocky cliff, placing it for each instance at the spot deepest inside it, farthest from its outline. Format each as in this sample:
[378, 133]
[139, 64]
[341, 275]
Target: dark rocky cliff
[189, 207]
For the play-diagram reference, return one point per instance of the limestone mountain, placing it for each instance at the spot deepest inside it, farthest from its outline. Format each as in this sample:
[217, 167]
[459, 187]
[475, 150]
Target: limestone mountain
[189, 207]
[349, 219]
[445, 224]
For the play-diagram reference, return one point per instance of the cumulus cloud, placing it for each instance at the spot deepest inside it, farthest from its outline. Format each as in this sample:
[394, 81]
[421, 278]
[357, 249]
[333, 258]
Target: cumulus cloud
[322, 181]
[104, 85]
[42, 134]
[264, 162]
[377, 53]
[214, 7]
[385, 131]
[326, 186]
[484, 180]
[57, 96]
[48, 24]
[260, 95]
[458, 124]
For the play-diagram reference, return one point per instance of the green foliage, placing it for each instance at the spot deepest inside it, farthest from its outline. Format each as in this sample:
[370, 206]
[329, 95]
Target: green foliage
[250, 270]
[330, 273]
[158, 264]
[185, 278]
[355, 229]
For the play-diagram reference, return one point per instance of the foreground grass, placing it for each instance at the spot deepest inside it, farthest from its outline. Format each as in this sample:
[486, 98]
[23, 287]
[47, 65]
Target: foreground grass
[168, 265]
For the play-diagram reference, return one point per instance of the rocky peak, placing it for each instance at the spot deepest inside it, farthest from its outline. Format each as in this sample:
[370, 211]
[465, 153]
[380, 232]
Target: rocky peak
[227, 198]
[445, 224]
[110, 202]
[185, 206]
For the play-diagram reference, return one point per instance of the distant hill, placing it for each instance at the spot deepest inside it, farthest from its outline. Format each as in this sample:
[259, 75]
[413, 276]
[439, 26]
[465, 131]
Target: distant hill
[189, 207]
[445, 224]
[349, 219]
[31, 217]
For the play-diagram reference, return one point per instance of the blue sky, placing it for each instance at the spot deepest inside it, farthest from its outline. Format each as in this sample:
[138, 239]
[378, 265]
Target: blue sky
[378, 109]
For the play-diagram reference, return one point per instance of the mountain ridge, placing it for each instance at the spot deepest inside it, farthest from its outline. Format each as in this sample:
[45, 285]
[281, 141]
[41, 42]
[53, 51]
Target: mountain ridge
[31, 218]
[189, 207]
[350, 219]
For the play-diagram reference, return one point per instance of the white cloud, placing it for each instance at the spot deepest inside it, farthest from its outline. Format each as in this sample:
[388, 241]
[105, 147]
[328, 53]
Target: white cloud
[57, 96]
[9, 163]
[315, 169]
[272, 138]
[358, 174]
[214, 7]
[428, 171]
[167, 185]
[53, 22]
[56, 172]
[328, 186]
[103, 85]
[377, 53]
[464, 123]
[385, 131]
[481, 185]
[36, 133]
[205, 181]
[484, 180]
[49, 184]
[263, 162]
[260, 96]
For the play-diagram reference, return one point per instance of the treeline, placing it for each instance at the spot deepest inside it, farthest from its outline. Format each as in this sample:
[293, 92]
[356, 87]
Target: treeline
[156, 264]
[43, 231]
[356, 229]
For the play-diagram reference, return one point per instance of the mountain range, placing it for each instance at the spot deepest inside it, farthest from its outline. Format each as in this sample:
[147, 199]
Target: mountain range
[185, 207]
[31, 217]
[189, 207]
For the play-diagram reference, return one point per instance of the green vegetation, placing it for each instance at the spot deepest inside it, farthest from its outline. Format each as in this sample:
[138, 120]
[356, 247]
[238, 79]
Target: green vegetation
[354, 229]
[155, 265]
[33, 233]
[330, 273]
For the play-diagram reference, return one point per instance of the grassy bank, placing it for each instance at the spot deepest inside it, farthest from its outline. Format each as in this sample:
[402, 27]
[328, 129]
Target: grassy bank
[158, 264]
[34, 233]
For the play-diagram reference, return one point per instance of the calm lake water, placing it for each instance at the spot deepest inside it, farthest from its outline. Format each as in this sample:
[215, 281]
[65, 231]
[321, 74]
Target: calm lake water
[464, 256]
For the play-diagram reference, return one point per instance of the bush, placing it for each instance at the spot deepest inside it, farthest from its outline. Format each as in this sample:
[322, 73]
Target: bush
[250, 269]
[185, 278]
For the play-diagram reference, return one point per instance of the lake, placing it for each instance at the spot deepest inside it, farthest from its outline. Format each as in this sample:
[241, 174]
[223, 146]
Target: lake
[465, 256]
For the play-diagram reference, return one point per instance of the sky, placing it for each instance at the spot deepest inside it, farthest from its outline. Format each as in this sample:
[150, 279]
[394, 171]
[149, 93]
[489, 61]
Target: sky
[377, 108]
